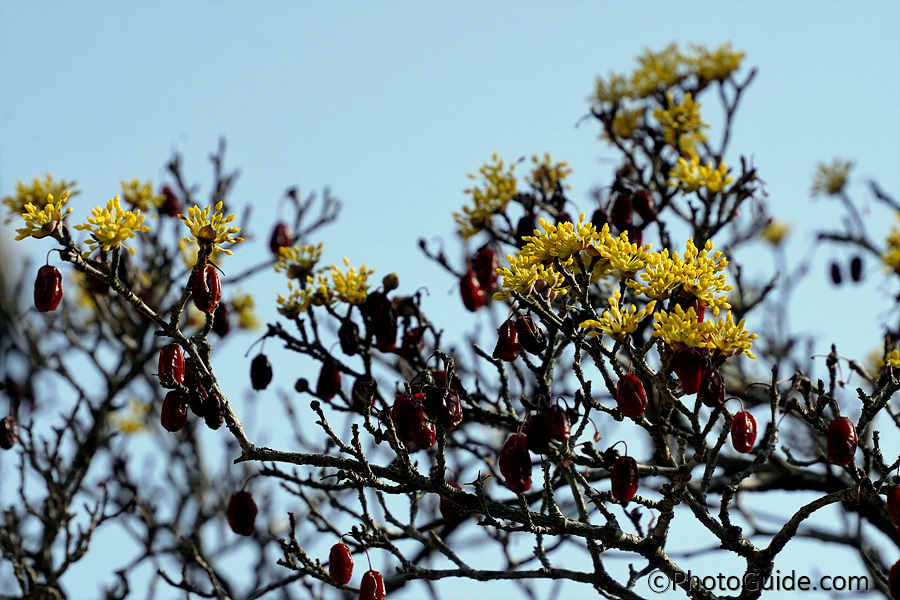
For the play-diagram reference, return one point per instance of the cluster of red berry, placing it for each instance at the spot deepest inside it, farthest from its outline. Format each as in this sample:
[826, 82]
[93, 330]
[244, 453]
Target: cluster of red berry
[340, 567]
[480, 278]
[619, 212]
[429, 400]
[187, 390]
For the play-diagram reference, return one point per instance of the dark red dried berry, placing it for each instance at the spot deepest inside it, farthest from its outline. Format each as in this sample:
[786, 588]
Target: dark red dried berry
[630, 396]
[422, 432]
[835, 273]
[598, 219]
[206, 288]
[281, 238]
[563, 217]
[515, 463]
[171, 365]
[620, 211]
[856, 268]
[485, 263]
[688, 366]
[173, 414]
[97, 285]
[450, 510]
[400, 415]
[841, 441]
[372, 586]
[524, 228]
[624, 479]
[348, 334]
[712, 388]
[260, 372]
[411, 343]
[386, 329]
[9, 432]
[743, 432]
[893, 504]
[443, 404]
[340, 564]
[508, 346]
[643, 205]
[171, 205]
[362, 393]
[221, 325]
[48, 289]
[329, 382]
[473, 295]
[894, 581]
[195, 387]
[558, 423]
[241, 513]
[531, 337]
[635, 234]
[213, 408]
[538, 432]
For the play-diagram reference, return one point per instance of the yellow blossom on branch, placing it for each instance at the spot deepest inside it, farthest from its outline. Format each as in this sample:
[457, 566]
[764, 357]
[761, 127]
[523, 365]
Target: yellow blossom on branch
[111, 226]
[626, 122]
[36, 194]
[546, 177]
[775, 231]
[132, 421]
[680, 329]
[891, 255]
[831, 179]
[616, 322]
[351, 287]
[528, 277]
[681, 124]
[691, 176]
[612, 89]
[491, 198]
[714, 66]
[617, 254]
[658, 70]
[561, 241]
[298, 261]
[243, 306]
[729, 338]
[140, 195]
[208, 229]
[41, 222]
[299, 299]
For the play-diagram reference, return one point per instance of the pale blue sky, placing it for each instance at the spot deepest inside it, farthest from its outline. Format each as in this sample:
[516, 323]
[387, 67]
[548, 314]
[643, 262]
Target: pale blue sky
[392, 103]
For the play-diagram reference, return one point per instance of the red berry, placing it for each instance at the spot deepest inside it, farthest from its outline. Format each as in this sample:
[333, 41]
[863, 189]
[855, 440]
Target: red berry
[558, 423]
[473, 295]
[620, 211]
[372, 586]
[443, 404]
[362, 393]
[171, 365]
[485, 263]
[348, 334]
[635, 234]
[329, 382]
[624, 479]
[856, 268]
[48, 289]
[260, 372]
[630, 397]
[515, 463]
[743, 432]
[598, 219]
[894, 581]
[340, 564]
[173, 415]
[508, 346]
[213, 408]
[532, 337]
[9, 433]
[538, 429]
[171, 205]
[643, 205]
[221, 325]
[241, 513]
[206, 288]
[450, 510]
[563, 217]
[422, 432]
[524, 228]
[893, 504]
[281, 238]
[841, 441]
[195, 387]
[386, 328]
[400, 415]
[411, 343]
[688, 366]
[712, 388]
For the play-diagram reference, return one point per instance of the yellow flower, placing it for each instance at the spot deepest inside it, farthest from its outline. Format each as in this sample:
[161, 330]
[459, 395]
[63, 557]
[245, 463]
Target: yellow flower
[546, 176]
[657, 70]
[351, 286]
[891, 256]
[626, 122]
[111, 226]
[680, 329]
[42, 222]
[134, 421]
[611, 90]
[243, 306]
[616, 322]
[831, 179]
[681, 123]
[560, 241]
[36, 194]
[528, 277]
[498, 189]
[298, 261]
[140, 195]
[728, 337]
[775, 231]
[617, 254]
[714, 66]
[300, 299]
[189, 254]
[210, 230]
[690, 177]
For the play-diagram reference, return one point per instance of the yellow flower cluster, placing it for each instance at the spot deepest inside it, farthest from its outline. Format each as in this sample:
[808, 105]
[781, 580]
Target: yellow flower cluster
[140, 195]
[618, 323]
[891, 255]
[297, 262]
[626, 122]
[691, 176]
[680, 329]
[41, 222]
[36, 194]
[212, 230]
[243, 306]
[547, 176]
[527, 277]
[133, 421]
[717, 65]
[831, 179]
[498, 188]
[111, 226]
[681, 123]
[658, 70]
[775, 231]
[299, 299]
[351, 287]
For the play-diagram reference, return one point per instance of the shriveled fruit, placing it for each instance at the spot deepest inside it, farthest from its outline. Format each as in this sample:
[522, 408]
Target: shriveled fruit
[508, 346]
[473, 295]
[558, 423]
[280, 238]
[485, 263]
[599, 219]
[531, 337]
[196, 390]
[411, 343]
[893, 504]
[171, 205]
[712, 388]
[173, 414]
[620, 211]
[743, 432]
[841, 441]
[362, 393]
[624, 479]
[836, 273]
[241, 513]
[443, 404]
[643, 205]
[856, 268]
[372, 586]
[206, 288]
[221, 325]
[515, 463]
[48, 289]
[9, 432]
[894, 581]
[340, 564]
[422, 432]
[538, 432]
[450, 510]
[213, 407]
[329, 382]
[630, 396]
[348, 335]
[400, 415]
[171, 365]
[260, 372]
[524, 228]
[385, 327]
[688, 366]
